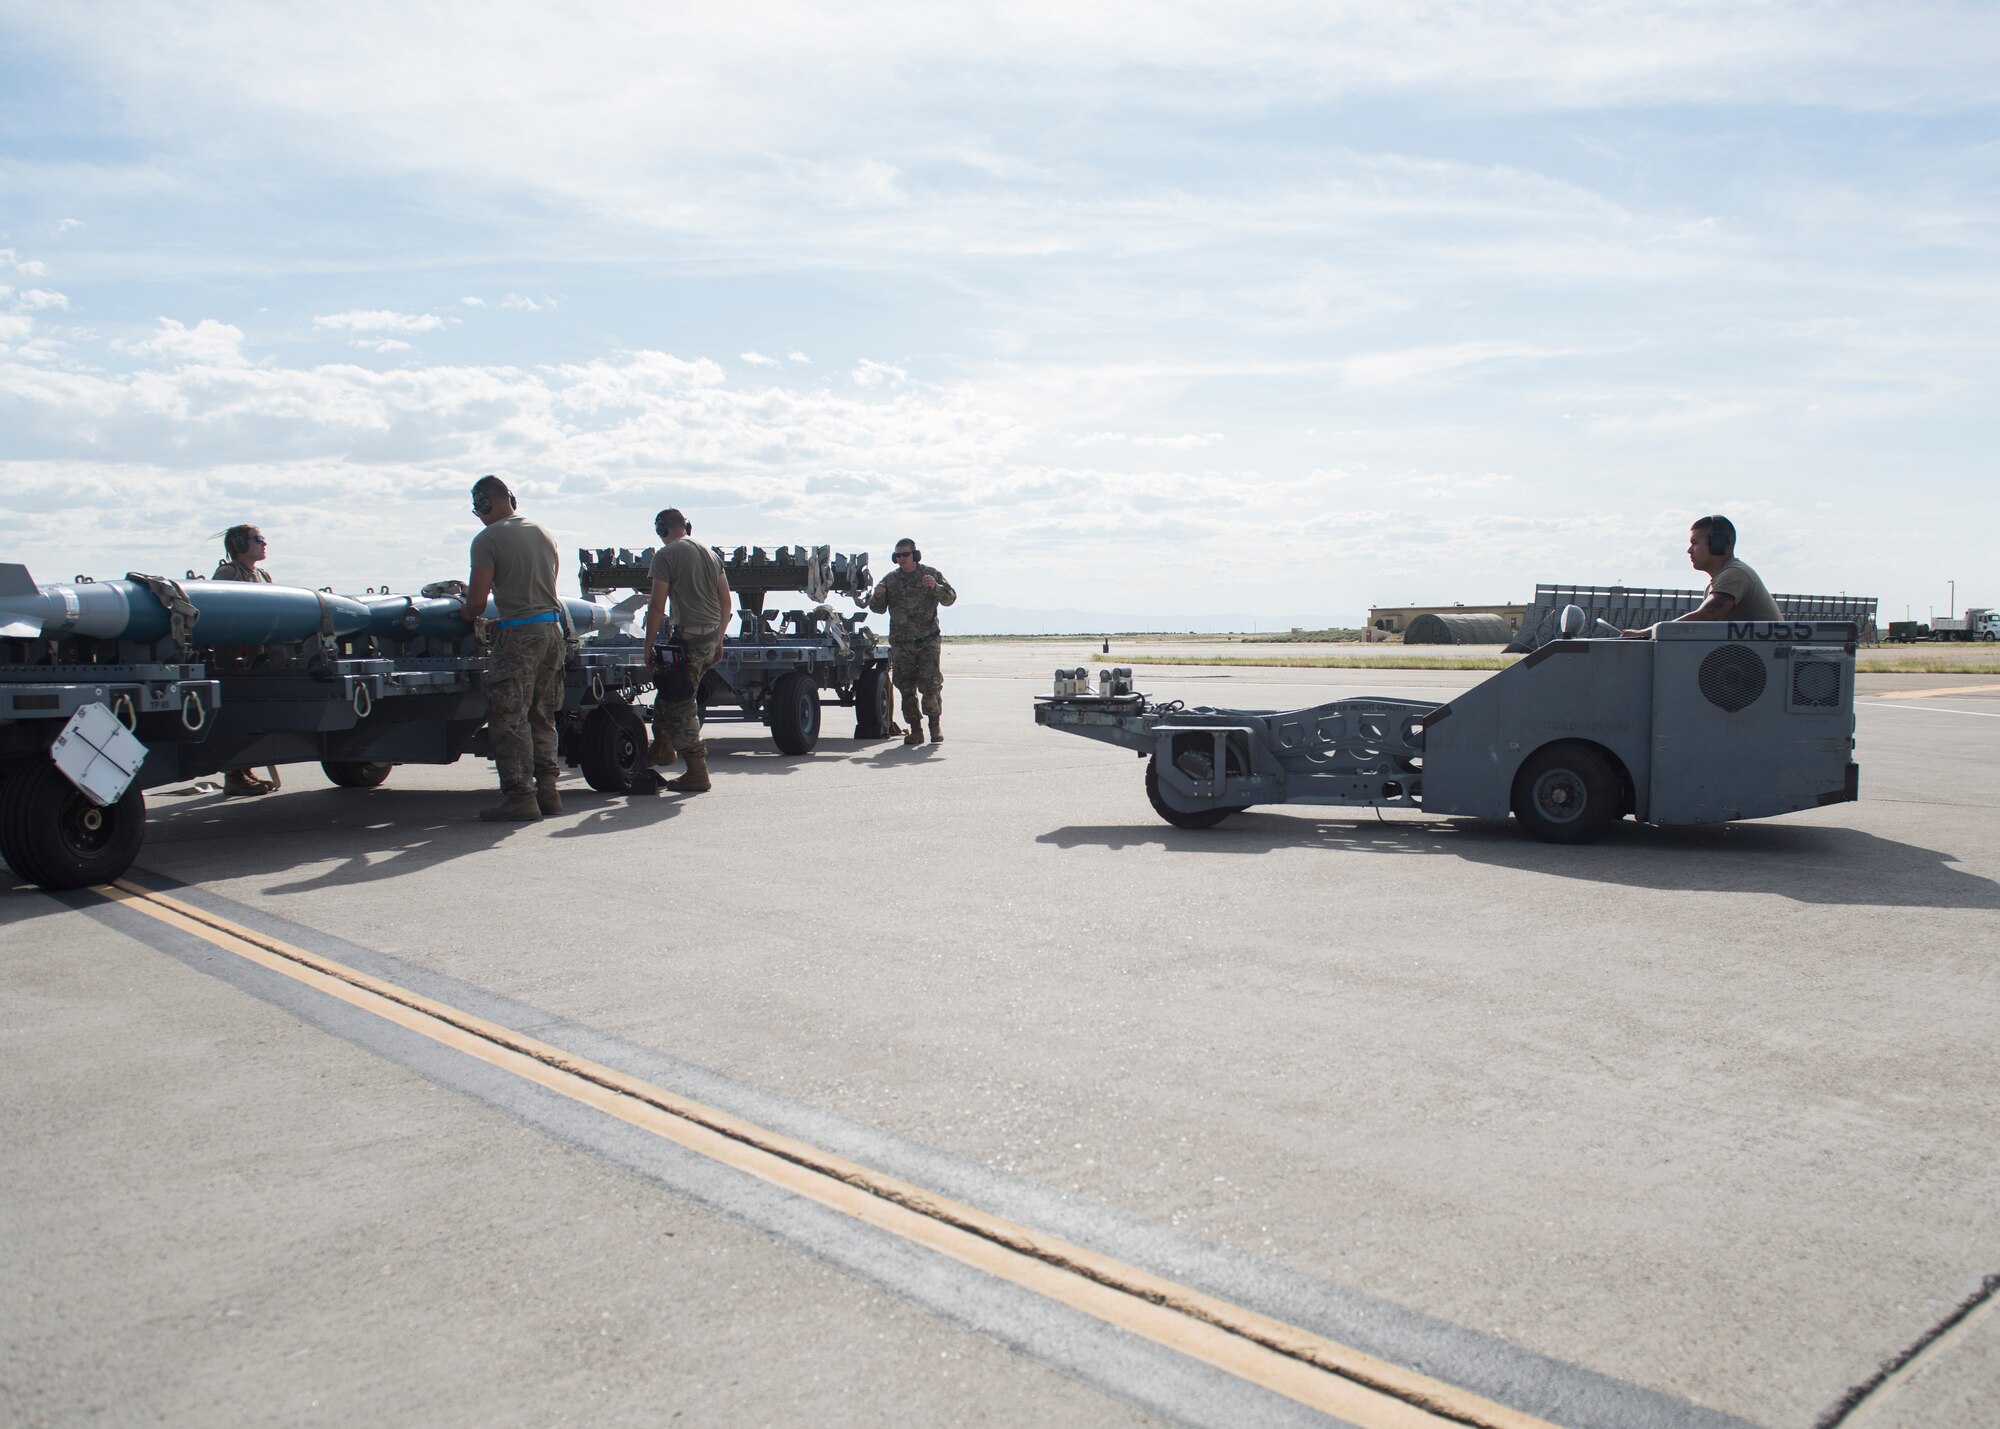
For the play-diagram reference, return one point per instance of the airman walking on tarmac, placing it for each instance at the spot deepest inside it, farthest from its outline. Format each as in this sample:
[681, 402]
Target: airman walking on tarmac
[515, 561]
[911, 595]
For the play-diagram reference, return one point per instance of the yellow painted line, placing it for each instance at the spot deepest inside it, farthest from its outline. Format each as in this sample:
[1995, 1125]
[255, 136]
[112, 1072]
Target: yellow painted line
[1298, 1364]
[1986, 689]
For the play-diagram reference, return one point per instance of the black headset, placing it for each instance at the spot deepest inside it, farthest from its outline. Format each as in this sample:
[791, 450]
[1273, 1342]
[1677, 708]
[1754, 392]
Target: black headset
[236, 540]
[660, 525]
[1721, 535]
[482, 495]
[915, 554]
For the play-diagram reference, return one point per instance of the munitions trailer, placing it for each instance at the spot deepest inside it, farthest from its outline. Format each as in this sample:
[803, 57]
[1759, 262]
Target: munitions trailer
[109, 688]
[1704, 722]
[776, 669]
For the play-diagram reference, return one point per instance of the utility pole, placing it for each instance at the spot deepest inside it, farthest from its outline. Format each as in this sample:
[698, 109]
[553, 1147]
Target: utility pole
[1952, 614]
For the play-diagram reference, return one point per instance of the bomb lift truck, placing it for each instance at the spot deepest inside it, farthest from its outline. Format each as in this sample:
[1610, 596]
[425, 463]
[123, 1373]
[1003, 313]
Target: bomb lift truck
[1704, 722]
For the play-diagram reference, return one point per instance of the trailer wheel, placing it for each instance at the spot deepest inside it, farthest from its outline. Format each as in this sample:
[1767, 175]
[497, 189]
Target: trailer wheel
[871, 703]
[1179, 818]
[611, 747]
[795, 713]
[1566, 793]
[356, 773]
[53, 836]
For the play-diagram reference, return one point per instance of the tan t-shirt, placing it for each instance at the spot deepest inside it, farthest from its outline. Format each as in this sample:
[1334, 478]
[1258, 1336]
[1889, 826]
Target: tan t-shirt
[689, 569]
[522, 557]
[1742, 585]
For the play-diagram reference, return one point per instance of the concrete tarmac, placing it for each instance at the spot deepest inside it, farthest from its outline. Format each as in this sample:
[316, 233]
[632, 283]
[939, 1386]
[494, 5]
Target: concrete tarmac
[1685, 1127]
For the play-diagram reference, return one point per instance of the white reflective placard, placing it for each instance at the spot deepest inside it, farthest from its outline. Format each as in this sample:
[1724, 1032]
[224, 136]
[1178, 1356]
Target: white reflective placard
[98, 754]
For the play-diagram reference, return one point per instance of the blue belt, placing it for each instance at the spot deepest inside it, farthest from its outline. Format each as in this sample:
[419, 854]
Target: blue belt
[526, 620]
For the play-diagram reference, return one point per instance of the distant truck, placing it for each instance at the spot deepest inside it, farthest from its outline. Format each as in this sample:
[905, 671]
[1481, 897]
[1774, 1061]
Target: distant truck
[1978, 623]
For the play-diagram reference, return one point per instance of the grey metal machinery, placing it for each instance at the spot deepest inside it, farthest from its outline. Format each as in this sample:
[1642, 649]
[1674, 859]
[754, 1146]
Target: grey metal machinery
[1702, 723]
[776, 668]
[197, 677]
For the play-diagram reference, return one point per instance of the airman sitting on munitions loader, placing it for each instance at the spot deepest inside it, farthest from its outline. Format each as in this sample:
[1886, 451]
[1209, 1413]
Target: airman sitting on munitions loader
[1735, 592]
[242, 549]
[515, 561]
[911, 595]
[687, 573]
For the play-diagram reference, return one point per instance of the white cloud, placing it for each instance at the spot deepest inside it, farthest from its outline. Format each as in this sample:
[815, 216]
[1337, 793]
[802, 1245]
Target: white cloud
[380, 320]
[1413, 364]
[757, 359]
[796, 356]
[1189, 442]
[65, 225]
[876, 374]
[14, 327]
[39, 298]
[472, 302]
[381, 344]
[219, 344]
[525, 304]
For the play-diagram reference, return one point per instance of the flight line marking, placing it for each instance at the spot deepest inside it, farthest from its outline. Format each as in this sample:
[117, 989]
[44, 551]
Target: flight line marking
[1986, 689]
[1310, 1369]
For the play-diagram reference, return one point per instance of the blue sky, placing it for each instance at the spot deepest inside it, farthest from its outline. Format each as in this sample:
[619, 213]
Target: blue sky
[1278, 312]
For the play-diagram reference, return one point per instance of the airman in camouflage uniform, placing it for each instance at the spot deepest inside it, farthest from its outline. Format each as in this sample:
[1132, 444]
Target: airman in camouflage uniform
[242, 549]
[911, 595]
[689, 575]
[515, 560]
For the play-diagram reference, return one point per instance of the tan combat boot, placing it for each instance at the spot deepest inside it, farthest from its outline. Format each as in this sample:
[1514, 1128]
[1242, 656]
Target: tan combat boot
[516, 806]
[695, 781]
[937, 729]
[242, 784]
[547, 797]
[915, 734]
[663, 751]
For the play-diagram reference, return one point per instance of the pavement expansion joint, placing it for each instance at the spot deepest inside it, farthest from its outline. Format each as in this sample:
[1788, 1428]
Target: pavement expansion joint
[1281, 1358]
[1856, 1406]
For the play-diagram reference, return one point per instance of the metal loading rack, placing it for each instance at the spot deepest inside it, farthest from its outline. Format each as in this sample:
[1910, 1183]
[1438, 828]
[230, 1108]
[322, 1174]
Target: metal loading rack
[777, 668]
[1639, 607]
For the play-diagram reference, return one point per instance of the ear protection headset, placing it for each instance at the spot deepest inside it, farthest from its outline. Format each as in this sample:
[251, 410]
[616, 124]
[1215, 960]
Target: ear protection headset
[484, 497]
[1721, 535]
[660, 525]
[915, 554]
[236, 541]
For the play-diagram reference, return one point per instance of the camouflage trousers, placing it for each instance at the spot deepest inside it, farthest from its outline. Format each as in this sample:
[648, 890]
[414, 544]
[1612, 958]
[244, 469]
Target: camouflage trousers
[523, 689]
[681, 719]
[916, 671]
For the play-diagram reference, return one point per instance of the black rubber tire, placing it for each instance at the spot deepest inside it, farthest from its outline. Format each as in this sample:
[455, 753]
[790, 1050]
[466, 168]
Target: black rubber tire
[795, 713]
[1567, 793]
[1200, 819]
[612, 748]
[871, 703]
[53, 836]
[356, 773]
